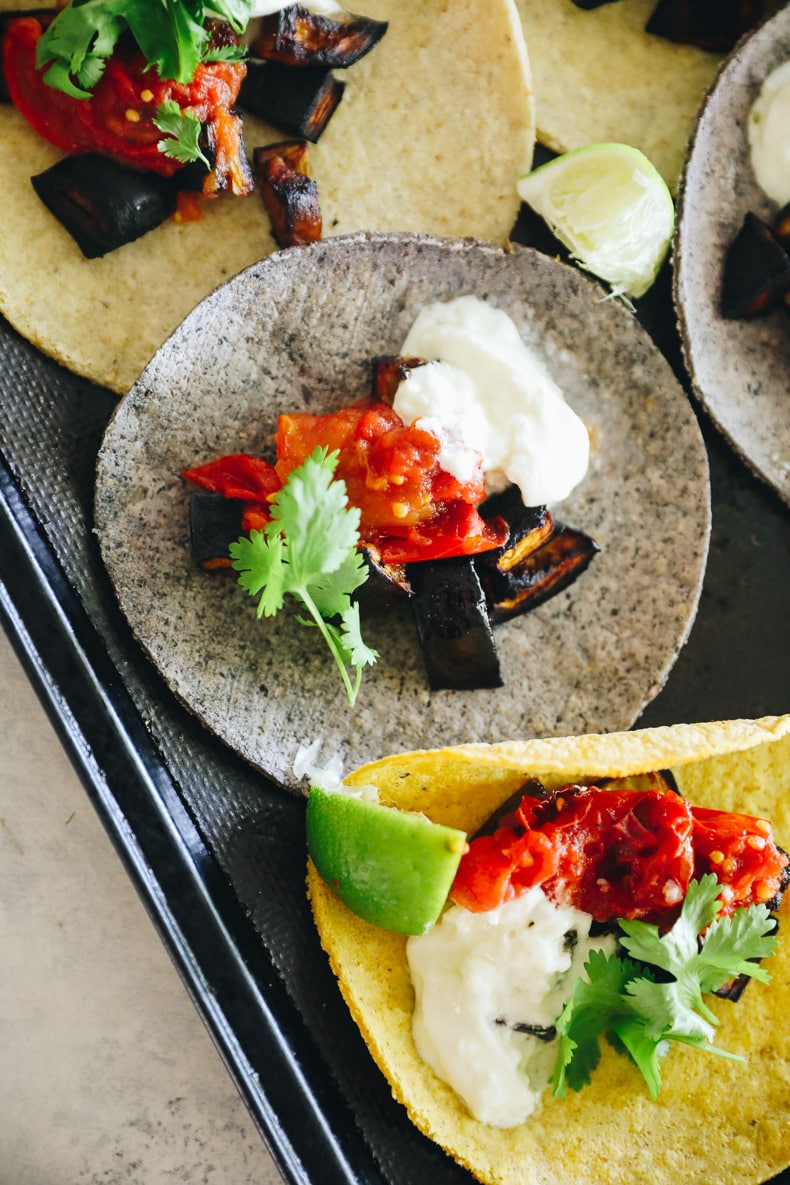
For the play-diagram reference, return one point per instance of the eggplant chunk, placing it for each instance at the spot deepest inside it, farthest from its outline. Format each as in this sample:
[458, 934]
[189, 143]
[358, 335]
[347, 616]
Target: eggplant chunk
[297, 37]
[756, 271]
[542, 574]
[385, 588]
[214, 523]
[530, 527]
[103, 204]
[453, 625]
[713, 25]
[288, 192]
[301, 102]
[389, 371]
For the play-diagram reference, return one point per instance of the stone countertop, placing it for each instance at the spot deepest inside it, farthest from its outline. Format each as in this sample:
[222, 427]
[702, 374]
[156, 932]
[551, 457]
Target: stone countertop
[108, 1074]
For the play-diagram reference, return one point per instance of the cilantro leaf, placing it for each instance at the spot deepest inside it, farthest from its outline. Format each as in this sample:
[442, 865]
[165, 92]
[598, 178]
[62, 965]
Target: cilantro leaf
[170, 33]
[595, 1005]
[644, 1011]
[183, 129]
[309, 550]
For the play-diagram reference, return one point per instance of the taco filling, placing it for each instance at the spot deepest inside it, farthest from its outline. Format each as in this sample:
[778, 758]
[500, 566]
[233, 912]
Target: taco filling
[130, 86]
[446, 469]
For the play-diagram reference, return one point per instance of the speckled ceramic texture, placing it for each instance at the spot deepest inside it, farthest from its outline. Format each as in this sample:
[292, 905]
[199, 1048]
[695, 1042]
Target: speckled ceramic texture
[740, 369]
[297, 332]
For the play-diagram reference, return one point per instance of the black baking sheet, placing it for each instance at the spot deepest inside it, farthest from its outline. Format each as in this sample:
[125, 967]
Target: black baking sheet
[216, 852]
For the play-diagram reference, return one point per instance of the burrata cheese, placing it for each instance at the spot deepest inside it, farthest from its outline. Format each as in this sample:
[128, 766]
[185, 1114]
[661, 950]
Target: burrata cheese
[489, 988]
[768, 129]
[485, 392]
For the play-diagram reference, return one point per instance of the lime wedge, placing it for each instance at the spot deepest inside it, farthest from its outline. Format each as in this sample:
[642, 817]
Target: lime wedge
[610, 207]
[391, 868]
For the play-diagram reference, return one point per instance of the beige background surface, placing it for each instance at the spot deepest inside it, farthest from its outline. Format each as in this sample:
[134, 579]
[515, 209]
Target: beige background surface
[107, 1074]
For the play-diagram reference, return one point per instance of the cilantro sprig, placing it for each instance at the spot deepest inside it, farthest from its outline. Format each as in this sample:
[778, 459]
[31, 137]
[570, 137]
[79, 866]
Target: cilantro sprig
[182, 133]
[309, 550]
[170, 33]
[655, 995]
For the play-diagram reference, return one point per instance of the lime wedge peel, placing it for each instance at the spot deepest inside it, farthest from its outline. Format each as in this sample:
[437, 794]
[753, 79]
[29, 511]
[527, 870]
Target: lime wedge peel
[391, 868]
[611, 208]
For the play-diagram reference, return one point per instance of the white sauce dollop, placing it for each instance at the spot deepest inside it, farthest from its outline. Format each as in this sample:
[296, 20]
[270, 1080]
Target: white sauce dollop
[475, 975]
[490, 393]
[768, 129]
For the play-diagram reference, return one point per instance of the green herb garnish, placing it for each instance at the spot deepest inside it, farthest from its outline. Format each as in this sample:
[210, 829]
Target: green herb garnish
[170, 33]
[632, 1001]
[183, 131]
[309, 549]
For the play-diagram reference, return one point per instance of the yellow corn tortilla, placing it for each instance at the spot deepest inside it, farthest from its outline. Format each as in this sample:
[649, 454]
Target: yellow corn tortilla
[434, 128]
[714, 1120]
[600, 77]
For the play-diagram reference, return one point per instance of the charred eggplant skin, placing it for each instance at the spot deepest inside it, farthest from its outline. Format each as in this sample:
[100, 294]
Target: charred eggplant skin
[453, 625]
[756, 271]
[288, 192]
[541, 575]
[103, 204]
[301, 102]
[297, 37]
[214, 521]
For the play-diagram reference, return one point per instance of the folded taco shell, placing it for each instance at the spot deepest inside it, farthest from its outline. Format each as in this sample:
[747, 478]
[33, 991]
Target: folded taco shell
[714, 1120]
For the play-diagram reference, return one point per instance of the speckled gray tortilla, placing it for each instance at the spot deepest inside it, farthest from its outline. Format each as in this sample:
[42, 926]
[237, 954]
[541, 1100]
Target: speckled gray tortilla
[434, 128]
[297, 332]
[740, 369]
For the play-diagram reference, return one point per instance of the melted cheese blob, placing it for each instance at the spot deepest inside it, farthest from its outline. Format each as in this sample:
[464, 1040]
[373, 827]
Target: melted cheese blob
[489, 988]
[769, 135]
[485, 392]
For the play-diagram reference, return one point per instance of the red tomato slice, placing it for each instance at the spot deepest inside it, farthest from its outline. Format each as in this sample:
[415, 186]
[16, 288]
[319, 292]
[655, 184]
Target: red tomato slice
[619, 854]
[411, 508]
[237, 476]
[118, 119]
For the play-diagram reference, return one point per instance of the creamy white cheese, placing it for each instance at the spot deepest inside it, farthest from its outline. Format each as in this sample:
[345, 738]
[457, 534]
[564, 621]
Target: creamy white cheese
[769, 135]
[476, 976]
[492, 394]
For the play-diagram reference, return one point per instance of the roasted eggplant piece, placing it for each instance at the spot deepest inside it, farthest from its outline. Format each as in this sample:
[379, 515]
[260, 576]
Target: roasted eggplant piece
[386, 587]
[389, 371]
[453, 625]
[781, 226]
[288, 192]
[588, 5]
[297, 37]
[713, 25]
[103, 204]
[542, 574]
[756, 271]
[301, 102]
[214, 522]
[530, 527]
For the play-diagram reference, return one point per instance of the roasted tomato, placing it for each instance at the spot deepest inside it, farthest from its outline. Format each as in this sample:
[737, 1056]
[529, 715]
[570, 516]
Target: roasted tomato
[740, 850]
[619, 853]
[251, 480]
[118, 119]
[411, 508]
